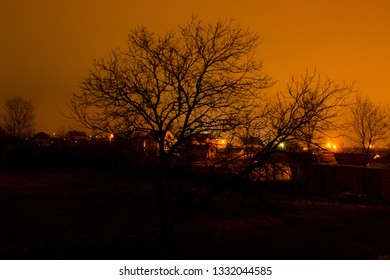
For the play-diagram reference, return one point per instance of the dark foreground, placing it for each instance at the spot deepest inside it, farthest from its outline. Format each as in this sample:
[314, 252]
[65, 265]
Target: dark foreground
[78, 213]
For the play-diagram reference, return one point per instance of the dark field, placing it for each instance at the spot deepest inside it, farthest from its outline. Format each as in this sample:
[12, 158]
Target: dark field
[79, 213]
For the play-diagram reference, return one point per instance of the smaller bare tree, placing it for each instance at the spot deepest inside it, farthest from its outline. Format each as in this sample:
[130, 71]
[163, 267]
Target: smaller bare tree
[18, 117]
[306, 111]
[369, 125]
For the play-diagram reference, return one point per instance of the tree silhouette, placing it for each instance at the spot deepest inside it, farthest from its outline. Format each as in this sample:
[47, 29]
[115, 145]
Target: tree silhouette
[203, 78]
[18, 117]
[308, 109]
[369, 125]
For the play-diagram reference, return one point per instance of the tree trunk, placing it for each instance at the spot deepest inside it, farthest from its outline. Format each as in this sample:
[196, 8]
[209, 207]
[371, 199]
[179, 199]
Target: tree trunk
[162, 203]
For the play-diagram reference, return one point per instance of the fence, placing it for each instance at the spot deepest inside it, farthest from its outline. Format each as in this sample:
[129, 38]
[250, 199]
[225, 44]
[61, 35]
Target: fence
[339, 179]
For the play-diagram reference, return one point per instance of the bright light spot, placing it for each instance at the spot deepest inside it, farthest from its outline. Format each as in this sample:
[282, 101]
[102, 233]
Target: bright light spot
[331, 146]
[377, 156]
[281, 145]
[222, 142]
[110, 137]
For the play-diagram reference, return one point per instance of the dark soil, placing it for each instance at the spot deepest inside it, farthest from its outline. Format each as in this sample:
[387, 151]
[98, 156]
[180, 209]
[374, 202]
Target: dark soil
[78, 213]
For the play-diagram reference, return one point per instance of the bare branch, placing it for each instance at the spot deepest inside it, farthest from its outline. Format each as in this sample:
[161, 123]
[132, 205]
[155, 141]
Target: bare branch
[308, 108]
[201, 79]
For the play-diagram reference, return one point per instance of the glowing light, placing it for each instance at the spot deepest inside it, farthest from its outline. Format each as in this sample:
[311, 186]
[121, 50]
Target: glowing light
[331, 146]
[222, 143]
[110, 137]
[281, 145]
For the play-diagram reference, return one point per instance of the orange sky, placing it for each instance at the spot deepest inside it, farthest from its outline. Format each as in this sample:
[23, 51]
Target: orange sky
[47, 46]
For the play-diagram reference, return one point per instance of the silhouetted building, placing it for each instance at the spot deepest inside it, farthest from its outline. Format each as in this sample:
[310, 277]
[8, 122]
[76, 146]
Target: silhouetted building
[326, 158]
[42, 139]
[76, 136]
[201, 149]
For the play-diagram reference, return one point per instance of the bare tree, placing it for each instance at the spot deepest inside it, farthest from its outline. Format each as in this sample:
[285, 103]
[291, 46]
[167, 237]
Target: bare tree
[308, 109]
[18, 117]
[201, 78]
[369, 125]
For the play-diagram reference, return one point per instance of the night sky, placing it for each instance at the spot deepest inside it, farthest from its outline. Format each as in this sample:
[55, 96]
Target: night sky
[47, 46]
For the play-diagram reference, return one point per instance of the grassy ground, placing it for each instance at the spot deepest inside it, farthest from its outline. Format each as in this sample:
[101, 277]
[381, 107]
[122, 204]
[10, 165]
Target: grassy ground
[79, 213]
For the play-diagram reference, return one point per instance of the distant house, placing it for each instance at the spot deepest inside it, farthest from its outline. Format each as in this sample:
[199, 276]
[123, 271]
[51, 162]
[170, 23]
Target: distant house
[145, 144]
[292, 165]
[74, 136]
[201, 149]
[42, 139]
[252, 143]
[327, 158]
[246, 147]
